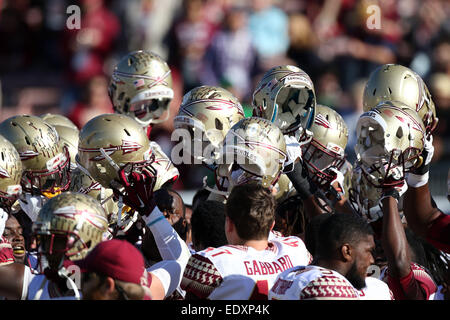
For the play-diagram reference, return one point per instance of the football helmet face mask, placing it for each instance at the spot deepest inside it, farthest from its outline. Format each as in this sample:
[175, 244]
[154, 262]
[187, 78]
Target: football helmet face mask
[141, 87]
[253, 149]
[327, 147]
[363, 196]
[108, 143]
[45, 161]
[10, 174]
[69, 138]
[68, 226]
[285, 96]
[390, 139]
[208, 112]
[398, 83]
[58, 120]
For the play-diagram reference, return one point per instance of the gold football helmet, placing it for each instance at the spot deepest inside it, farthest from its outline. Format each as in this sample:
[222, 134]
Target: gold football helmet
[69, 226]
[108, 142]
[390, 139]
[45, 161]
[141, 87]
[69, 138]
[58, 120]
[208, 113]
[83, 183]
[327, 147]
[285, 96]
[398, 83]
[253, 149]
[10, 174]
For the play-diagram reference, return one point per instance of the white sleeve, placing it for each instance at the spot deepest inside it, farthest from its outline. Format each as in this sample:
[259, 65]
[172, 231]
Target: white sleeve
[169, 272]
[27, 277]
[173, 250]
[170, 245]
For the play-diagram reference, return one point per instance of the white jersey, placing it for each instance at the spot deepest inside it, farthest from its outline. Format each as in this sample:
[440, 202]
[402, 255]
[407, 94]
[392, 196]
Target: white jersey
[241, 272]
[36, 287]
[312, 283]
[375, 289]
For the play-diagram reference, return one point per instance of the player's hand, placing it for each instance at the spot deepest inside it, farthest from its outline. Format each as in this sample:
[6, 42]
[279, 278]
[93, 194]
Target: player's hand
[394, 188]
[419, 176]
[3, 218]
[427, 155]
[293, 153]
[137, 189]
[31, 205]
[338, 181]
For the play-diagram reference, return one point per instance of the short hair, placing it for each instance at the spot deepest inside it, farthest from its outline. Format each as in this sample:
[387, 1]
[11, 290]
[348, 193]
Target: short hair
[200, 196]
[338, 229]
[251, 207]
[208, 224]
[312, 231]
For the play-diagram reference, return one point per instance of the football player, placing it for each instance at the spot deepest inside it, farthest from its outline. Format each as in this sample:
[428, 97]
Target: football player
[245, 268]
[68, 226]
[343, 253]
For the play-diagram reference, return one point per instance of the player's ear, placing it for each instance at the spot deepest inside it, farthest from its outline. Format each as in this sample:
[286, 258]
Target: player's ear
[346, 252]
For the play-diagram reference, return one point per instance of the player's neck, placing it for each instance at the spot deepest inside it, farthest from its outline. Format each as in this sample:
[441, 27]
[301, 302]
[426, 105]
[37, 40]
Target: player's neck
[332, 265]
[256, 244]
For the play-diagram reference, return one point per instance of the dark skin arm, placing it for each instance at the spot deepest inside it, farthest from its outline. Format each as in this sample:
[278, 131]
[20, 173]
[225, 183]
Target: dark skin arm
[397, 250]
[394, 241]
[11, 281]
[418, 209]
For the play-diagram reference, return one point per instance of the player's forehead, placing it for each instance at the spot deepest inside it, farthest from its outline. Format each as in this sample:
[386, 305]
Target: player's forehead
[12, 223]
[366, 242]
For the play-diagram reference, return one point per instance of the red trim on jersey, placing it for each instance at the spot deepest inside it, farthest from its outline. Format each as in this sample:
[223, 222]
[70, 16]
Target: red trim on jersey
[439, 233]
[417, 285]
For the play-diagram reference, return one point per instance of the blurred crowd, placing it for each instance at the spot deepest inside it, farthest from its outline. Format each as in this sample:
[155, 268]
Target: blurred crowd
[47, 67]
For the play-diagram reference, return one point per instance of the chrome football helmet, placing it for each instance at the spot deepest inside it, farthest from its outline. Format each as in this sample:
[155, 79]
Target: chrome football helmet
[285, 96]
[45, 160]
[327, 147]
[390, 139]
[253, 149]
[207, 113]
[141, 87]
[395, 82]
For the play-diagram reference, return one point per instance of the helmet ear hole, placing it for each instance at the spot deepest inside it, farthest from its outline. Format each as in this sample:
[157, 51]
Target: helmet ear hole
[219, 124]
[399, 133]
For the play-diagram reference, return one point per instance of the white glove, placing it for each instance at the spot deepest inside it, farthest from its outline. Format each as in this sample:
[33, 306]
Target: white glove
[339, 179]
[31, 205]
[419, 176]
[3, 218]
[429, 148]
[293, 151]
